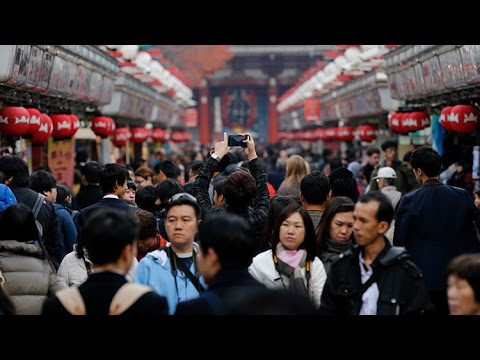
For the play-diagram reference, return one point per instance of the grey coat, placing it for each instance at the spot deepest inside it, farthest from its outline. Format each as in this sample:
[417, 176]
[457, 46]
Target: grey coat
[29, 279]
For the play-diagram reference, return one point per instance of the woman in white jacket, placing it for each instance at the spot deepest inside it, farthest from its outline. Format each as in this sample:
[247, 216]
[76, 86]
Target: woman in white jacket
[292, 264]
[76, 266]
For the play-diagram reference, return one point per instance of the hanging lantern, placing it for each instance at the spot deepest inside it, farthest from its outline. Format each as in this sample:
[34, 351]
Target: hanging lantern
[120, 136]
[14, 120]
[394, 121]
[445, 118]
[44, 131]
[166, 135]
[176, 136]
[34, 123]
[101, 126]
[157, 134]
[75, 124]
[139, 135]
[366, 133]
[320, 134]
[110, 126]
[191, 118]
[345, 133]
[330, 134]
[464, 118]
[414, 121]
[311, 109]
[62, 126]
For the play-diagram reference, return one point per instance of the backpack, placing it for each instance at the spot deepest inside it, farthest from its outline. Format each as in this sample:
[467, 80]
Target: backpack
[74, 214]
[124, 298]
[36, 210]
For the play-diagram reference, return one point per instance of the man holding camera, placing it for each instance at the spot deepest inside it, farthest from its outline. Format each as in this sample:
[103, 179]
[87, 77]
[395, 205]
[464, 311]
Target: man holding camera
[246, 193]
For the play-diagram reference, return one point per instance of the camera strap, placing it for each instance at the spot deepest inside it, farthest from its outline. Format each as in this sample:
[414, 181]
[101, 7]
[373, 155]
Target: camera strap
[174, 264]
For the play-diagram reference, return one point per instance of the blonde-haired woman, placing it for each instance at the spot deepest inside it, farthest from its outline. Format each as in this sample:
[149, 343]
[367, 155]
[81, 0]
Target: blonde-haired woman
[296, 171]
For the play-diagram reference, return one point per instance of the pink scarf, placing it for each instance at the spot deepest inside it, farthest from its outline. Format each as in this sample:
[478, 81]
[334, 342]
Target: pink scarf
[291, 257]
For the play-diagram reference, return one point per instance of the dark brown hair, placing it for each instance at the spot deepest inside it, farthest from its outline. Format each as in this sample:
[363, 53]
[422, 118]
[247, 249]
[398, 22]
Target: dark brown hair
[240, 189]
[148, 226]
[337, 205]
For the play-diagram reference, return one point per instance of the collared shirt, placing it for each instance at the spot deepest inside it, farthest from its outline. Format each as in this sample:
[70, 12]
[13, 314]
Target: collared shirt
[111, 196]
[370, 296]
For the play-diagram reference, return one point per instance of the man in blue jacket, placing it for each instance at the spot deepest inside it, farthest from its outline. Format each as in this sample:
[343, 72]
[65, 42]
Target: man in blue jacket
[435, 223]
[172, 271]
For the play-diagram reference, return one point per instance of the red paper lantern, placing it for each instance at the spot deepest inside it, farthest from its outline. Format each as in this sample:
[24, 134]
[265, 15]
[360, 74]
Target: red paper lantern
[75, 124]
[414, 121]
[139, 135]
[177, 136]
[44, 131]
[330, 134]
[366, 133]
[464, 118]
[120, 136]
[320, 134]
[395, 122]
[110, 126]
[101, 125]
[34, 123]
[345, 133]
[14, 120]
[445, 118]
[166, 135]
[62, 126]
[157, 134]
[191, 118]
[312, 109]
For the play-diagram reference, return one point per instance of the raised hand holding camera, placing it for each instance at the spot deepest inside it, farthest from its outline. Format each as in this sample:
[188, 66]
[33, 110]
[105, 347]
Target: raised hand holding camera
[250, 147]
[221, 147]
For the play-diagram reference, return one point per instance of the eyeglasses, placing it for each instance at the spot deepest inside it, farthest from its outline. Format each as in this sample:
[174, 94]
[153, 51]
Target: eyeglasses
[183, 197]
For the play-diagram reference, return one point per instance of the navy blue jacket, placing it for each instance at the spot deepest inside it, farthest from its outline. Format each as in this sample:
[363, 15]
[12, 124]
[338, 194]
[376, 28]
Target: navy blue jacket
[436, 223]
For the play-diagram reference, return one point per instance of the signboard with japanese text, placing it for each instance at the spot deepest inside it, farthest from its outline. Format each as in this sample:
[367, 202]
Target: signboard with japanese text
[61, 159]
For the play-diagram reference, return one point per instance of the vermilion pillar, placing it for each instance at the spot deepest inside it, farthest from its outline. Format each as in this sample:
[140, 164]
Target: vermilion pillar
[272, 112]
[204, 114]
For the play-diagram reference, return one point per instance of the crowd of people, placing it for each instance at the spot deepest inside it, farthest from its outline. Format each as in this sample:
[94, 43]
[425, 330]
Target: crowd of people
[247, 230]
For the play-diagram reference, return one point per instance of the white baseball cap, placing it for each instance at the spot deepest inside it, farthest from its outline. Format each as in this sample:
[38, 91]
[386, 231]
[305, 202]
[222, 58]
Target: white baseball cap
[386, 173]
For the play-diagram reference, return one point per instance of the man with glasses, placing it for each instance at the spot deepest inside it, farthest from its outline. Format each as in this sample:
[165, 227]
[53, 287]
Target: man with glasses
[172, 271]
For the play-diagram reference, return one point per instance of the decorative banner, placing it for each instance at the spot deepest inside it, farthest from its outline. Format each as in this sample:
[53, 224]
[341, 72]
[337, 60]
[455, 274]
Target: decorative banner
[311, 109]
[191, 118]
[239, 108]
[61, 159]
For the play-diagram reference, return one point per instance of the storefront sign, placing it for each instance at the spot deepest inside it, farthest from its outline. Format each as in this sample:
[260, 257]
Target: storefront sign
[61, 159]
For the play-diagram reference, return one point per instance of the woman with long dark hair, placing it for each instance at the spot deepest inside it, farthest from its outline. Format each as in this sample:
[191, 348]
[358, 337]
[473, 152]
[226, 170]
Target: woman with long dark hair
[292, 263]
[277, 204]
[335, 231]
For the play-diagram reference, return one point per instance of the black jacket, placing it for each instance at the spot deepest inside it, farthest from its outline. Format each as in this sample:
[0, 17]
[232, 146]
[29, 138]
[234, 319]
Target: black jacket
[88, 195]
[221, 290]
[436, 223]
[52, 235]
[97, 293]
[401, 286]
[255, 216]
[104, 203]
